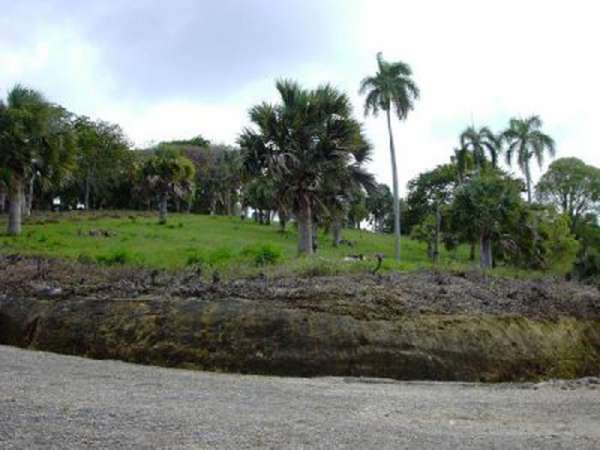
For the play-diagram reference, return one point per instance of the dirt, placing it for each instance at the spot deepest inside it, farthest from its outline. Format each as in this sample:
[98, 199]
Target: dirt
[426, 325]
[361, 296]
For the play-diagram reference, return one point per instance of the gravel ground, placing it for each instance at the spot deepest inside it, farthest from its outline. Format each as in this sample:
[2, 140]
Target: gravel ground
[55, 401]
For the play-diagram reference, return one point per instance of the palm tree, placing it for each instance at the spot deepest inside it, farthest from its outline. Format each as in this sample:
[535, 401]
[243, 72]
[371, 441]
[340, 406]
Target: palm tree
[169, 175]
[349, 182]
[463, 160]
[391, 87]
[36, 139]
[301, 142]
[525, 141]
[479, 142]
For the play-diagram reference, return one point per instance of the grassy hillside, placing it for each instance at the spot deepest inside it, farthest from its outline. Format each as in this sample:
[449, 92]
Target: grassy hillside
[228, 244]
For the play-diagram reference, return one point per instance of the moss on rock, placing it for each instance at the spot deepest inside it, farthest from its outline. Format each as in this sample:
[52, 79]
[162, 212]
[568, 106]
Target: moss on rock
[256, 337]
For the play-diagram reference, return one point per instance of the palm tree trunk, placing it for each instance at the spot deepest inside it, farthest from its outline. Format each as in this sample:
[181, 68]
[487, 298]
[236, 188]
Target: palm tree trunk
[162, 209]
[528, 179]
[283, 218]
[29, 197]
[228, 203]
[15, 208]
[436, 242]
[485, 256]
[336, 230]
[305, 229]
[86, 195]
[395, 187]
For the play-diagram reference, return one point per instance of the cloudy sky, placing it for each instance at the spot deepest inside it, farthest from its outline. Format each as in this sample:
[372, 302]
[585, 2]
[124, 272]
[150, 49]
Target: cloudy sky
[183, 67]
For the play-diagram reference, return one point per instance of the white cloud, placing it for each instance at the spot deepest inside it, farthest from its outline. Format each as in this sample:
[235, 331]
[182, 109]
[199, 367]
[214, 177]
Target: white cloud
[480, 61]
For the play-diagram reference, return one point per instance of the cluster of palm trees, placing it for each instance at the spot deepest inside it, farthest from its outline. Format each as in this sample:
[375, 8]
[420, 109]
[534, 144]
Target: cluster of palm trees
[36, 141]
[523, 141]
[304, 156]
[315, 153]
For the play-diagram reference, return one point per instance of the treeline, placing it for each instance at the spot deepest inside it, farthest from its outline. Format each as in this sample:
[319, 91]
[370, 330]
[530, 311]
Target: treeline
[304, 160]
[473, 200]
[54, 159]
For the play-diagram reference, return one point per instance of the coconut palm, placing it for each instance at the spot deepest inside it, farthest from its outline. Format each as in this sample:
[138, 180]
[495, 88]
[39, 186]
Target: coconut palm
[525, 141]
[301, 142]
[479, 142]
[36, 140]
[391, 88]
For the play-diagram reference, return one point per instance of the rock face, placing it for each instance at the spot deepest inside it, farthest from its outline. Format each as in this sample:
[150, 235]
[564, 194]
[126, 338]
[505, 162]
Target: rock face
[426, 325]
[248, 336]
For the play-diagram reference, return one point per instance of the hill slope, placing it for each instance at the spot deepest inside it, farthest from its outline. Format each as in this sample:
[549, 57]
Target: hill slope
[229, 244]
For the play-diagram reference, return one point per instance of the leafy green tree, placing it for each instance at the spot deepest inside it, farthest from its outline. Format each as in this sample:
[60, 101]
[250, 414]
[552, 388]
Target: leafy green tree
[526, 141]
[218, 176]
[540, 239]
[484, 207]
[380, 205]
[427, 231]
[259, 194]
[429, 195]
[572, 186]
[392, 87]
[300, 142]
[168, 175]
[196, 141]
[36, 140]
[479, 142]
[101, 159]
[587, 266]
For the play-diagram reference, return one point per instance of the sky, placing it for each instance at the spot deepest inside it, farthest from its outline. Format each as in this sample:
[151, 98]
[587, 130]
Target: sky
[166, 70]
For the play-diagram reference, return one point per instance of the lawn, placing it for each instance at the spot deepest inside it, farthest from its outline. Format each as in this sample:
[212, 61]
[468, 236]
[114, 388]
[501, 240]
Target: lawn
[228, 244]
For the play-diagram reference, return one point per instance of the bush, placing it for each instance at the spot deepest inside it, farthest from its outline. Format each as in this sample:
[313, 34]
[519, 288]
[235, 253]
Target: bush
[118, 257]
[219, 256]
[195, 260]
[263, 254]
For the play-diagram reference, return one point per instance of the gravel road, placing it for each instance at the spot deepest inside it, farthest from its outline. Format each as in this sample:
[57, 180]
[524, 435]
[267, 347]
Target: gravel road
[55, 401]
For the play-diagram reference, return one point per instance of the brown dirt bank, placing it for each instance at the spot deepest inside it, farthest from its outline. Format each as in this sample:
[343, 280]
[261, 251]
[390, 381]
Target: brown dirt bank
[407, 326]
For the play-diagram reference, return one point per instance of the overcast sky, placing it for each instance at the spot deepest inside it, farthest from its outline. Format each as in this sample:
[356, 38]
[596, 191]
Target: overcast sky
[174, 69]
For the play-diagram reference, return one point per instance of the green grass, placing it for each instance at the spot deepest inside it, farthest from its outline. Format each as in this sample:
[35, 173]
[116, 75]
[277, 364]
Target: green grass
[228, 244]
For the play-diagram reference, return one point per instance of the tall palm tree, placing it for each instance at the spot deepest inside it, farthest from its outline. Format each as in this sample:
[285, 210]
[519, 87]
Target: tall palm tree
[301, 142]
[463, 160]
[33, 132]
[525, 141]
[479, 142]
[392, 87]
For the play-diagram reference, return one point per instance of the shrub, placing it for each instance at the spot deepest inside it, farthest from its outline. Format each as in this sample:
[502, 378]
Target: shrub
[220, 255]
[118, 257]
[195, 260]
[263, 254]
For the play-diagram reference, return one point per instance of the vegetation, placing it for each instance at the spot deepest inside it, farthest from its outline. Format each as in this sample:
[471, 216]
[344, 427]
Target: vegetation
[302, 144]
[36, 141]
[526, 141]
[302, 164]
[166, 174]
[391, 87]
[233, 246]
